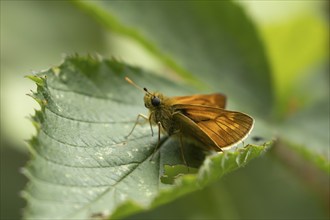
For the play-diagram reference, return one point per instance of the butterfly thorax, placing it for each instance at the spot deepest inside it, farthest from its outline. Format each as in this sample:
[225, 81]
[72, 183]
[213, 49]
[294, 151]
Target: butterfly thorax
[161, 111]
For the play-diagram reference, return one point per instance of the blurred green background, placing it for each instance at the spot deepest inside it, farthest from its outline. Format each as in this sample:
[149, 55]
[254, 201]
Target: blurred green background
[36, 34]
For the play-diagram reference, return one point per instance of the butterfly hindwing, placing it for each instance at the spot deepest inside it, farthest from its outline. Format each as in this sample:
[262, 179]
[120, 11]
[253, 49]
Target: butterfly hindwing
[225, 128]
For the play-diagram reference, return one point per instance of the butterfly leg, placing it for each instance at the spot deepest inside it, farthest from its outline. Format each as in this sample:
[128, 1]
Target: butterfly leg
[159, 143]
[136, 122]
[182, 152]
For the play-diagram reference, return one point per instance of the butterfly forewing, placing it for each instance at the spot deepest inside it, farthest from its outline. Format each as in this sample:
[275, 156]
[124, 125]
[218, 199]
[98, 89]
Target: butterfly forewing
[224, 128]
[215, 100]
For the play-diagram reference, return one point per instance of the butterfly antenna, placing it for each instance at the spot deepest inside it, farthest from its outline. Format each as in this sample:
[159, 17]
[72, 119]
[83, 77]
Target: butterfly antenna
[132, 83]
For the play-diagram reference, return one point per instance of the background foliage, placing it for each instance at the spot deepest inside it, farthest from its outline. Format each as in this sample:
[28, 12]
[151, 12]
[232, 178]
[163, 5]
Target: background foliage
[293, 176]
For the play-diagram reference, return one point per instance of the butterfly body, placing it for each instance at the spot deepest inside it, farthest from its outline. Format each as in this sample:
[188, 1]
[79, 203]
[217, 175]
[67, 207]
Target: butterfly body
[199, 117]
[161, 112]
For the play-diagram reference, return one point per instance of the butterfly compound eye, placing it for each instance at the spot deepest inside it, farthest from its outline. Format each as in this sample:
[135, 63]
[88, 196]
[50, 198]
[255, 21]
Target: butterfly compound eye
[155, 101]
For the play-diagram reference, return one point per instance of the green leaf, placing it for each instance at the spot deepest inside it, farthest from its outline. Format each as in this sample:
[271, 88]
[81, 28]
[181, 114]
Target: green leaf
[82, 165]
[210, 42]
[312, 138]
[292, 56]
[301, 82]
[243, 194]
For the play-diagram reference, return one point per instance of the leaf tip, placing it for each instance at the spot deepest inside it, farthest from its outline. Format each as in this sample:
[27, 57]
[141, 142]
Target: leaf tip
[39, 80]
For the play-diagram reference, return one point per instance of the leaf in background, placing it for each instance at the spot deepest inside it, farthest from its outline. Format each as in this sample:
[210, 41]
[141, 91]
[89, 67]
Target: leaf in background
[295, 46]
[83, 166]
[312, 138]
[298, 53]
[213, 42]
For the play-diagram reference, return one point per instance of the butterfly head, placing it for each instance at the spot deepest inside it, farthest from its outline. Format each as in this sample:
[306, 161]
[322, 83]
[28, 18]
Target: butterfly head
[152, 100]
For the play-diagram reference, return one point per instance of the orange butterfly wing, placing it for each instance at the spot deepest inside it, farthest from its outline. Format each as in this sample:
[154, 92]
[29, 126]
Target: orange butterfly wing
[216, 100]
[215, 127]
